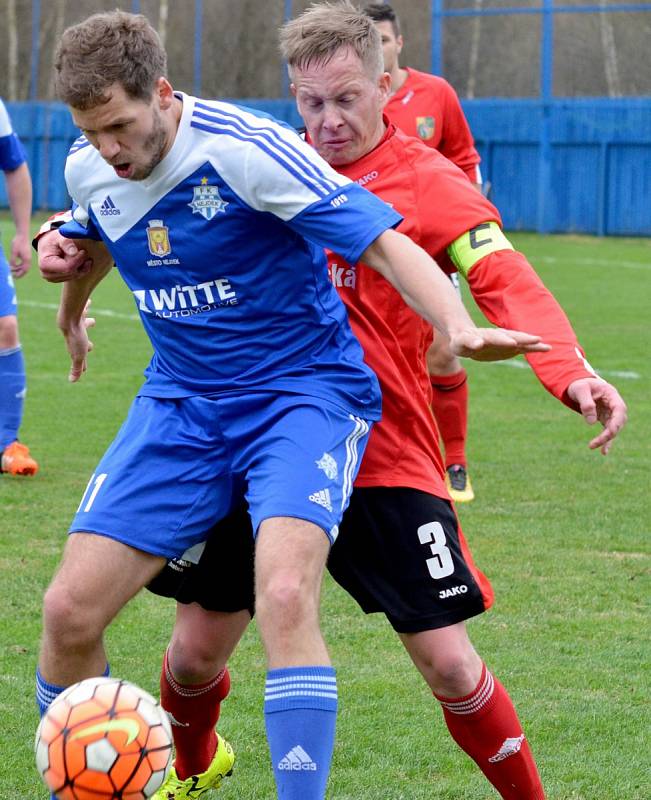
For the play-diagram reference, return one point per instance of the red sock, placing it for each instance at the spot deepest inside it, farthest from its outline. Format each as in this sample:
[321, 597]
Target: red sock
[194, 711]
[450, 407]
[484, 724]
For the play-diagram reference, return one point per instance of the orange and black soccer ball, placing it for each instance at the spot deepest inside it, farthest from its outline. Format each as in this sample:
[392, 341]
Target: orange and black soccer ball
[104, 739]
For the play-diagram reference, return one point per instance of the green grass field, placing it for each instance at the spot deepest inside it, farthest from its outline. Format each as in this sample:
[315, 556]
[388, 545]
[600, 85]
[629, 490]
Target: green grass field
[562, 531]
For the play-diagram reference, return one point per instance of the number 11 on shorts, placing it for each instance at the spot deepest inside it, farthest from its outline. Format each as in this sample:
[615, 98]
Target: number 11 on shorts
[96, 483]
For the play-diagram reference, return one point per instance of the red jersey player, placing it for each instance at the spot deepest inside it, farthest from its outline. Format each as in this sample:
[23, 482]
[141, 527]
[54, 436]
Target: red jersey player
[427, 106]
[400, 549]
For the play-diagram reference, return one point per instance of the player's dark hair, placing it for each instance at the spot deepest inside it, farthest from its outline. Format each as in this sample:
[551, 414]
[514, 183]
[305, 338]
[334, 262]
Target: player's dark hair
[382, 12]
[105, 49]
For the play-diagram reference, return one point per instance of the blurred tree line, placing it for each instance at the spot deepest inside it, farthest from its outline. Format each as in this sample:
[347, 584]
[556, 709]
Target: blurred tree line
[595, 54]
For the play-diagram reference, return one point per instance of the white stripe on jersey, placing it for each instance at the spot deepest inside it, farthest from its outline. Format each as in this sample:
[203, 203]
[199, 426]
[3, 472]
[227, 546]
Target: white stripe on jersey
[263, 162]
[269, 139]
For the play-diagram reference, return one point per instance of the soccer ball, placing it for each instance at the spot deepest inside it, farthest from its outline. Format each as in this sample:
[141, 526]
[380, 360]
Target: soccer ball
[104, 739]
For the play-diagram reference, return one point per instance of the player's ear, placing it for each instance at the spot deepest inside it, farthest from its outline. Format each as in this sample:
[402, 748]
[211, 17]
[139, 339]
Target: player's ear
[164, 92]
[399, 41]
[292, 89]
[384, 85]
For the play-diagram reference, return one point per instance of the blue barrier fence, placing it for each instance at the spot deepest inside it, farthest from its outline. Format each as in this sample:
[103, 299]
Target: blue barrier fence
[580, 166]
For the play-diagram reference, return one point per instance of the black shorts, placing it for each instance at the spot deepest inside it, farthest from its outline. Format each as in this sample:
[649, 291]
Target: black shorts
[399, 551]
[222, 579]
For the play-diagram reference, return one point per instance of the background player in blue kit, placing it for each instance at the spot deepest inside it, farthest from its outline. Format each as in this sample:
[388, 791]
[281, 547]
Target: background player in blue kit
[257, 389]
[14, 455]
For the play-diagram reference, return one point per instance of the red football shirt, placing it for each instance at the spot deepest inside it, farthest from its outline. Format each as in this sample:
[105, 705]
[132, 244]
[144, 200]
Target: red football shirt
[428, 107]
[438, 205]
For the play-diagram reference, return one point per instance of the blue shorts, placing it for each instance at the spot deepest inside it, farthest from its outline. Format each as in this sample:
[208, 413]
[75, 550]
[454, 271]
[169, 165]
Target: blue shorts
[8, 305]
[178, 466]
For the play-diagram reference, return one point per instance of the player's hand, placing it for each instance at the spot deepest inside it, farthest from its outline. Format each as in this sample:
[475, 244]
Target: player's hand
[495, 344]
[78, 344]
[59, 259]
[20, 259]
[598, 401]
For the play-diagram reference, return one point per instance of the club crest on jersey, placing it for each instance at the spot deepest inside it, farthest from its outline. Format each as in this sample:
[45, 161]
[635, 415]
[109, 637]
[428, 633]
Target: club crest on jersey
[207, 201]
[158, 236]
[425, 127]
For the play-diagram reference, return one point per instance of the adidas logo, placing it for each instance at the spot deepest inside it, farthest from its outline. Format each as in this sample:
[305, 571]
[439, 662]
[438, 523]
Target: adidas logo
[296, 760]
[509, 748]
[322, 498]
[108, 208]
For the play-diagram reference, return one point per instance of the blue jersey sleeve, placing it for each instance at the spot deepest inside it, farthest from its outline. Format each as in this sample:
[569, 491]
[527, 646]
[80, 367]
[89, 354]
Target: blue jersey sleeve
[347, 222]
[81, 226]
[12, 153]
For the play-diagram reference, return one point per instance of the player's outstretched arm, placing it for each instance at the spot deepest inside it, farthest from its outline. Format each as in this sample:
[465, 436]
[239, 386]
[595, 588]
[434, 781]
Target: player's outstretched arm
[598, 401]
[496, 344]
[428, 291]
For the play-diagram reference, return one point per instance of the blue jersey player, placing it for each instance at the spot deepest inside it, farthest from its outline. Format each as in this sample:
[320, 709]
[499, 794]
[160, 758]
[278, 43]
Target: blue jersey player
[257, 390]
[15, 458]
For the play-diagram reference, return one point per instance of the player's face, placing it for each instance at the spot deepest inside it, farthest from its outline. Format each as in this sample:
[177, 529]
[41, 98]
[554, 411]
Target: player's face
[341, 106]
[130, 135]
[391, 45]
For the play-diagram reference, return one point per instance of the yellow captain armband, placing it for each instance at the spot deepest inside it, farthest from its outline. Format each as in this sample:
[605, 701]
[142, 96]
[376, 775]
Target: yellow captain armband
[476, 244]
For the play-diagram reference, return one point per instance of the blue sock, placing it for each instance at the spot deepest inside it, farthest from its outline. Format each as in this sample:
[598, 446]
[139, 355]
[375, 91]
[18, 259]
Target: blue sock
[12, 393]
[46, 693]
[300, 709]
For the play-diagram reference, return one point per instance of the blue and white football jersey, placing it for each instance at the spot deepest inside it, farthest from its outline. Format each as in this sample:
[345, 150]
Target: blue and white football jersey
[222, 247]
[12, 154]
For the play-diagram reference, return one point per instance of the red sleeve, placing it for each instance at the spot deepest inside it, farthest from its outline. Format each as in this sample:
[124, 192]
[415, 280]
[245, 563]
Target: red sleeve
[448, 205]
[511, 295]
[457, 142]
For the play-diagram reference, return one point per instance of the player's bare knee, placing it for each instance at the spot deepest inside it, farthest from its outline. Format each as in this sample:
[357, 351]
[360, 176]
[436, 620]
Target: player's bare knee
[193, 660]
[8, 332]
[284, 601]
[68, 623]
[455, 672]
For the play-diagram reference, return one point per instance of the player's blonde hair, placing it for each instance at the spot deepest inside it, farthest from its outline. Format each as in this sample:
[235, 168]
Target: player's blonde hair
[105, 49]
[321, 31]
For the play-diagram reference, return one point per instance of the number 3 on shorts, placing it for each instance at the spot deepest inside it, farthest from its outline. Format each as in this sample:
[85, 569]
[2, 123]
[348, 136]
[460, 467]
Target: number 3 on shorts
[441, 565]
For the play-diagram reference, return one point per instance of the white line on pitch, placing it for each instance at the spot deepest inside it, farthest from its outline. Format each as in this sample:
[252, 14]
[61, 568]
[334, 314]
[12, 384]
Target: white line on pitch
[616, 373]
[106, 312]
[94, 312]
[593, 262]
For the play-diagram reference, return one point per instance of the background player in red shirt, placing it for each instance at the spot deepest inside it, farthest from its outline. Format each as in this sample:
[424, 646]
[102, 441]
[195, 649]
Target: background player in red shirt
[421, 104]
[400, 550]
[427, 106]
